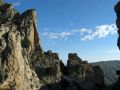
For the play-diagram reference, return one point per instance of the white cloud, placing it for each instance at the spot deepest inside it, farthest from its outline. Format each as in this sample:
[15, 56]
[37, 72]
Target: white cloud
[17, 4]
[101, 31]
[85, 31]
[52, 35]
[82, 31]
[88, 37]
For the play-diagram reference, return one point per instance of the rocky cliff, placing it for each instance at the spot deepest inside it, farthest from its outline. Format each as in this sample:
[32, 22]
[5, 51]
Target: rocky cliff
[116, 86]
[18, 40]
[25, 66]
[117, 10]
[77, 75]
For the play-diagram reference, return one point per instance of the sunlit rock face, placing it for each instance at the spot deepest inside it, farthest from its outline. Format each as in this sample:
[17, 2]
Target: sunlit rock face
[18, 40]
[25, 66]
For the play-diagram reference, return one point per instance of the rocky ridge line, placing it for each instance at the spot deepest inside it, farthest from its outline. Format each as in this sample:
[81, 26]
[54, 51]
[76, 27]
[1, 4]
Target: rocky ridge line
[25, 66]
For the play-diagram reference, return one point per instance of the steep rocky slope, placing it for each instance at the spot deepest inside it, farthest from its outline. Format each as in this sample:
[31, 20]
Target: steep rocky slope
[78, 75]
[109, 68]
[116, 86]
[25, 66]
[18, 34]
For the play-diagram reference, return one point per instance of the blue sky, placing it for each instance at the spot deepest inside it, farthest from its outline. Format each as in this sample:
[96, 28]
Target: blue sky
[86, 27]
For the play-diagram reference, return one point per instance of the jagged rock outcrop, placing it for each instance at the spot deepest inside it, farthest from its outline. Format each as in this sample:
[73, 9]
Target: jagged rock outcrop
[48, 68]
[78, 69]
[18, 40]
[90, 77]
[78, 75]
[25, 66]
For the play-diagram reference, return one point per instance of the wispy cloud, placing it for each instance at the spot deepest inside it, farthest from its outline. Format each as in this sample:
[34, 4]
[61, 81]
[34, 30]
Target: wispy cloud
[101, 31]
[113, 51]
[51, 35]
[82, 31]
[16, 4]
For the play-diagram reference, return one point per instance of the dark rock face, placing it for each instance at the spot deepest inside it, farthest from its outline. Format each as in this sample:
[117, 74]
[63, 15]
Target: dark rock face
[117, 10]
[79, 75]
[78, 69]
[116, 86]
[48, 68]
[88, 76]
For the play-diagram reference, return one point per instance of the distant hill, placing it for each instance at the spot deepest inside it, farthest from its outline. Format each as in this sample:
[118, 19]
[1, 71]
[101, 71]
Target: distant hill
[109, 68]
